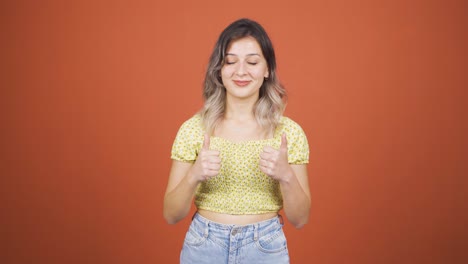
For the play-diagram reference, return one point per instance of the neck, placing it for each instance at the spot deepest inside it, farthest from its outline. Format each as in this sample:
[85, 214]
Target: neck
[239, 110]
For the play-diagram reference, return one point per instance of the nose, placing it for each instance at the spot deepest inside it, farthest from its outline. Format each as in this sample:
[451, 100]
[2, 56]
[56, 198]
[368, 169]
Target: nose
[241, 69]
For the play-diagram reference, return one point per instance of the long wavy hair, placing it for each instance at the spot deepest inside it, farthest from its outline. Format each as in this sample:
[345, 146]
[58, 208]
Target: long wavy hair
[272, 98]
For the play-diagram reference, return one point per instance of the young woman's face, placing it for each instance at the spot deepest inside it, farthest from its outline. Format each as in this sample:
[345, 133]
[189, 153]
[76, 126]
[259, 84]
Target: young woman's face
[244, 69]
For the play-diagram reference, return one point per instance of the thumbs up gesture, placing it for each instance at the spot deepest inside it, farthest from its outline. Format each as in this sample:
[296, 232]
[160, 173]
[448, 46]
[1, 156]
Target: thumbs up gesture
[207, 164]
[274, 162]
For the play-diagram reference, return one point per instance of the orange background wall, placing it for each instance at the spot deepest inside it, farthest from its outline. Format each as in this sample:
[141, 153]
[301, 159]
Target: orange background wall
[93, 93]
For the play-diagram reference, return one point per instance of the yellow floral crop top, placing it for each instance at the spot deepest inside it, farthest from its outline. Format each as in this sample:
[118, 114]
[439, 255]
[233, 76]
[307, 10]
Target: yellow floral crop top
[240, 187]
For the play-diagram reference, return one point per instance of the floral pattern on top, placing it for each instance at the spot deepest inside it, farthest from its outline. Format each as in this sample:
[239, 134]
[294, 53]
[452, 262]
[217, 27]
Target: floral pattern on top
[241, 187]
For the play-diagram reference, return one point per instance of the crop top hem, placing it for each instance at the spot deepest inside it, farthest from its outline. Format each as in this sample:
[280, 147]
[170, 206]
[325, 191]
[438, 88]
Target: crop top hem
[218, 210]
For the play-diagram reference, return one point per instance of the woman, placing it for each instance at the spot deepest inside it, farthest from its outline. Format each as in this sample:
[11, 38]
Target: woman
[239, 158]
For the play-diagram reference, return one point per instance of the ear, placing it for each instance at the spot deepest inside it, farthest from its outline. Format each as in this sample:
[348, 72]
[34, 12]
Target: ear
[267, 74]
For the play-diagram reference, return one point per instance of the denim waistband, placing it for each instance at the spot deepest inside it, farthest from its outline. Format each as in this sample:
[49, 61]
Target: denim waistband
[258, 227]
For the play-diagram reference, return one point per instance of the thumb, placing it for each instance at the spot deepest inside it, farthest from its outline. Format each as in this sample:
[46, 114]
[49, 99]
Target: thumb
[206, 142]
[284, 142]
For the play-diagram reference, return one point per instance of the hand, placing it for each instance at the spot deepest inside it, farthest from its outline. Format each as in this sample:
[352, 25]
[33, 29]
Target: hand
[274, 163]
[207, 164]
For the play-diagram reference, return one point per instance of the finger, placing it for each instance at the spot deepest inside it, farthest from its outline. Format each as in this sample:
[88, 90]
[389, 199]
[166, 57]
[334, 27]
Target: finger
[268, 149]
[267, 156]
[206, 142]
[265, 163]
[211, 153]
[212, 173]
[214, 166]
[213, 159]
[284, 142]
[207, 160]
[265, 170]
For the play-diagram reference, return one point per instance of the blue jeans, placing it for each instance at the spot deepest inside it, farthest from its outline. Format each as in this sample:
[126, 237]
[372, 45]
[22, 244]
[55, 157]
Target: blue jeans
[212, 243]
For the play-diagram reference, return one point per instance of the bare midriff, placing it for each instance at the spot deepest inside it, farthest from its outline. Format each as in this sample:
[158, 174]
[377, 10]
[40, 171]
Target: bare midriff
[229, 219]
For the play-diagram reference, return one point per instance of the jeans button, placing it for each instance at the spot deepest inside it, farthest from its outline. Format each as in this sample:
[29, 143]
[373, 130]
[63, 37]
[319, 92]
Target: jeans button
[234, 231]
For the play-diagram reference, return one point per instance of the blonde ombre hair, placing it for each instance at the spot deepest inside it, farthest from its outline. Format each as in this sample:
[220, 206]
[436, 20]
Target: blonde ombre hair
[272, 98]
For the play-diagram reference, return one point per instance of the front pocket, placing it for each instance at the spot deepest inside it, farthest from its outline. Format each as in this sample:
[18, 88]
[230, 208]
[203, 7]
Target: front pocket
[195, 237]
[272, 242]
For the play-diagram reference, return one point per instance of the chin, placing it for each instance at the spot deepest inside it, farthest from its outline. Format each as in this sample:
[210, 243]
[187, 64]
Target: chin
[243, 96]
[243, 93]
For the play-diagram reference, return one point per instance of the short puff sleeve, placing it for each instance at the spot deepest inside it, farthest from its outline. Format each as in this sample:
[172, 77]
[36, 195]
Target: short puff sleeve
[298, 146]
[188, 141]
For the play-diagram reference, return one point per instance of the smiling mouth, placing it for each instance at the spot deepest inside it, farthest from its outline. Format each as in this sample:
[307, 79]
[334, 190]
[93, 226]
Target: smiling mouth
[242, 83]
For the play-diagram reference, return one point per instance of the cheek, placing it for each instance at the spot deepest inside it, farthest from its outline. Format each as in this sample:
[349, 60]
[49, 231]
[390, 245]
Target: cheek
[225, 76]
[226, 72]
[259, 73]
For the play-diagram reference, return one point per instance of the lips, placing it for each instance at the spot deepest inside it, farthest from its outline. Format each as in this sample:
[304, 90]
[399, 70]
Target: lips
[242, 83]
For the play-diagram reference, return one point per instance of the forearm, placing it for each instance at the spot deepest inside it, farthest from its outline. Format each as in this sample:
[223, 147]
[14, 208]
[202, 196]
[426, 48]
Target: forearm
[296, 202]
[177, 203]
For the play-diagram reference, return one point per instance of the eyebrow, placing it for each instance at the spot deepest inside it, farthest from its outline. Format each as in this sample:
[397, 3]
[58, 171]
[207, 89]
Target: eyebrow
[248, 55]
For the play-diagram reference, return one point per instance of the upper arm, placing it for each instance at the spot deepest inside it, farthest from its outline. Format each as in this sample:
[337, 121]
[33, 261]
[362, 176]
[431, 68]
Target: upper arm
[184, 151]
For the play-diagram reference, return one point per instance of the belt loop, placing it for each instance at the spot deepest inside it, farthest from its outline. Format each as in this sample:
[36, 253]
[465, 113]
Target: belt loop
[206, 228]
[256, 227]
